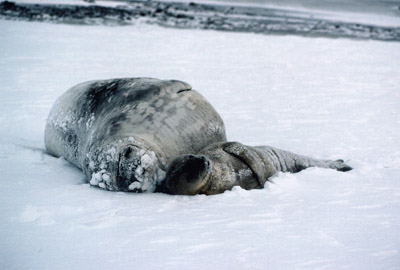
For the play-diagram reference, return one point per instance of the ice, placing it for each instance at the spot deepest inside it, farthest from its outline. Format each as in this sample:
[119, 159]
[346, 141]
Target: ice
[160, 174]
[327, 98]
[139, 171]
[106, 177]
[146, 161]
[96, 178]
[146, 185]
[134, 185]
[91, 164]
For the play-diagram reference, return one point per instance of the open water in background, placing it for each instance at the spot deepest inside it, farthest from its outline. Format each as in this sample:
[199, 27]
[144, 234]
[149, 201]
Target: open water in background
[383, 7]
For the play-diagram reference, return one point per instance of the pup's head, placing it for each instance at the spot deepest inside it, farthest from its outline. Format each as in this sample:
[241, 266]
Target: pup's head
[188, 175]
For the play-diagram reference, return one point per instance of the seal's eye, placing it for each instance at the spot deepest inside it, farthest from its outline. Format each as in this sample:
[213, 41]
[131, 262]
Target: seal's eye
[193, 168]
[187, 174]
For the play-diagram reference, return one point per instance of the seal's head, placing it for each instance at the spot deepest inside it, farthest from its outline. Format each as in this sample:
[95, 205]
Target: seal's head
[188, 175]
[218, 167]
[126, 166]
[138, 170]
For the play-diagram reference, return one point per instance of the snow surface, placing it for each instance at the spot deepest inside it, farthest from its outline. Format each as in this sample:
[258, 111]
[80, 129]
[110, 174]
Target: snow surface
[327, 98]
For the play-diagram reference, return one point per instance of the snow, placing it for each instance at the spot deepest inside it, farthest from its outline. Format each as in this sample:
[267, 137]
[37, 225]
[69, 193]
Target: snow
[326, 98]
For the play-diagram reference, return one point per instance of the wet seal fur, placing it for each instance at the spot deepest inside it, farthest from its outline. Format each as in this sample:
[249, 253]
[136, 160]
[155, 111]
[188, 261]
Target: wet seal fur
[221, 166]
[124, 132]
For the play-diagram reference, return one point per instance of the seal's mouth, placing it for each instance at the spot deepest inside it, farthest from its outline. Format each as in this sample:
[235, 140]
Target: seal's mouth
[128, 161]
[138, 170]
[188, 174]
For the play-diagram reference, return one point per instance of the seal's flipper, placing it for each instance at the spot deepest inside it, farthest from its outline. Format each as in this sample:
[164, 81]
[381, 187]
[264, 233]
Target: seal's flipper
[249, 157]
[180, 86]
[340, 166]
[285, 161]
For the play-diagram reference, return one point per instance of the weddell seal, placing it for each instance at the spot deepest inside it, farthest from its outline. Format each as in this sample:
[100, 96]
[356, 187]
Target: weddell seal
[221, 166]
[124, 132]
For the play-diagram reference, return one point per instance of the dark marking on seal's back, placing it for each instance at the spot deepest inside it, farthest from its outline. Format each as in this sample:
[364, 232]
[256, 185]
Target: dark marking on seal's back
[139, 95]
[115, 123]
[144, 94]
[98, 94]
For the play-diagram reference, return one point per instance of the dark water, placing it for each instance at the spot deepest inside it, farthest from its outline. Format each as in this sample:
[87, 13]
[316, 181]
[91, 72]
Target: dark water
[334, 21]
[384, 7]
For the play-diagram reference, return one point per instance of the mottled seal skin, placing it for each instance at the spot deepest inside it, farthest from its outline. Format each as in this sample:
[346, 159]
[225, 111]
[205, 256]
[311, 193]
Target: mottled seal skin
[221, 166]
[124, 132]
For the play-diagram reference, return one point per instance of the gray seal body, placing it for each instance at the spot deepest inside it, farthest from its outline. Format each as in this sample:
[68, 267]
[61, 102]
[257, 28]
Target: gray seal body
[123, 132]
[221, 166]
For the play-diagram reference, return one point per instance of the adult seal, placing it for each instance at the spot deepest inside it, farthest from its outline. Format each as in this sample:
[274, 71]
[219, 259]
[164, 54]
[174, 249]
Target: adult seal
[124, 132]
[221, 166]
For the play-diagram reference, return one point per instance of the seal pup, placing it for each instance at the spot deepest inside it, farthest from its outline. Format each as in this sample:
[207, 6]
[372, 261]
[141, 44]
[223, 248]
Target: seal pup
[124, 132]
[221, 166]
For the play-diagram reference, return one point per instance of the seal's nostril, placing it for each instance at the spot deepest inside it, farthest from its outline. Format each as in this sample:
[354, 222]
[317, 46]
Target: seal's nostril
[128, 152]
[207, 163]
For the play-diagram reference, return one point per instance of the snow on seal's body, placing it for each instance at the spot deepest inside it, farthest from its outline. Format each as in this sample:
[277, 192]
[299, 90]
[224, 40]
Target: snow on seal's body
[124, 132]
